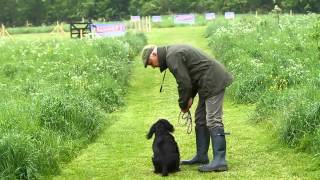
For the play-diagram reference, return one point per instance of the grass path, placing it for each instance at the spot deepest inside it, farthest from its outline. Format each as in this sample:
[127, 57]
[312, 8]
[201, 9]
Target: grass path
[122, 151]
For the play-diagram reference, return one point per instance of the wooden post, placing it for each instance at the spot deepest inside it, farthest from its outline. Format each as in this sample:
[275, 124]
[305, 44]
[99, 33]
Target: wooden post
[135, 25]
[4, 32]
[256, 13]
[81, 34]
[291, 13]
[149, 23]
[61, 28]
[58, 28]
[145, 23]
[139, 25]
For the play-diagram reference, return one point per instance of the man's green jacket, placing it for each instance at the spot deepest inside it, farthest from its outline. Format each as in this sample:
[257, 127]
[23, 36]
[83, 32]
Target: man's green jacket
[194, 71]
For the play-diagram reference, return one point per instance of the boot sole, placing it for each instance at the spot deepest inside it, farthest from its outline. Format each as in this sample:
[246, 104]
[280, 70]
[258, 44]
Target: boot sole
[220, 169]
[193, 163]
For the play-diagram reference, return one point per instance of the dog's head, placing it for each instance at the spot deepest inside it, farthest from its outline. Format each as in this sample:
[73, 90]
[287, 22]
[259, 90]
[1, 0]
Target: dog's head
[162, 125]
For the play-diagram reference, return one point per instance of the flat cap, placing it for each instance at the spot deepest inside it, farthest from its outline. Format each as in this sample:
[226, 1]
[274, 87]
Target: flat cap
[145, 53]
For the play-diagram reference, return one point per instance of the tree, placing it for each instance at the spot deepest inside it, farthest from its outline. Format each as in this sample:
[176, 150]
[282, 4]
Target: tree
[8, 12]
[17, 12]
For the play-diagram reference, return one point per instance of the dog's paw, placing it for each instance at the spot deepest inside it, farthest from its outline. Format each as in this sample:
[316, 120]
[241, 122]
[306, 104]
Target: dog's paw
[156, 172]
[164, 174]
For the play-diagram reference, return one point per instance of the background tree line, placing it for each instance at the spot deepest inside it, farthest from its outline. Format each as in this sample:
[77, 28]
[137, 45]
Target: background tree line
[17, 12]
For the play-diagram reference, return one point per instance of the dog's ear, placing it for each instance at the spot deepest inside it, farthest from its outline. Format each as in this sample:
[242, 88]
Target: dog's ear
[151, 131]
[168, 126]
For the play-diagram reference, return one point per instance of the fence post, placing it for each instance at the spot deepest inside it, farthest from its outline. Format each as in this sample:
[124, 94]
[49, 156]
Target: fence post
[149, 23]
[81, 34]
[145, 24]
[135, 25]
[139, 25]
[4, 32]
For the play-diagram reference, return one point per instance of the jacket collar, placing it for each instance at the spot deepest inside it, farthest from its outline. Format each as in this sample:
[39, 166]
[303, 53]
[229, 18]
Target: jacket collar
[162, 54]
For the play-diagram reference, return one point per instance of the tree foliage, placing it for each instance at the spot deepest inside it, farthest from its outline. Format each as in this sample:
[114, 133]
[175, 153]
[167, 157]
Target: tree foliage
[17, 12]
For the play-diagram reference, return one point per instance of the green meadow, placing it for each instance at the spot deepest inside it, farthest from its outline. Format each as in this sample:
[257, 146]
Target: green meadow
[80, 109]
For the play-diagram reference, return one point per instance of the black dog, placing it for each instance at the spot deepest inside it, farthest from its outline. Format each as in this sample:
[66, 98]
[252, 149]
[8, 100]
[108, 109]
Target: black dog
[166, 156]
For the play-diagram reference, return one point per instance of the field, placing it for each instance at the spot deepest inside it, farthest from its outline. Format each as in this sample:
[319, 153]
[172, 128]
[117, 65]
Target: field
[80, 109]
[123, 152]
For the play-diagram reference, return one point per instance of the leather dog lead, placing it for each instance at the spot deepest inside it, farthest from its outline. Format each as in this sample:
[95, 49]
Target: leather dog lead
[164, 75]
[188, 120]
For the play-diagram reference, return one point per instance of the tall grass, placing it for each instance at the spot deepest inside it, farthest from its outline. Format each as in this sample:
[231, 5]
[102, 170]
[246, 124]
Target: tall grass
[35, 29]
[276, 65]
[55, 96]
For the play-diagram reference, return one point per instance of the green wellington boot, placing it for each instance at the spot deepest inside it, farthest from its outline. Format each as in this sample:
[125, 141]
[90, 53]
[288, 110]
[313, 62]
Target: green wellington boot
[202, 143]
[219, 151]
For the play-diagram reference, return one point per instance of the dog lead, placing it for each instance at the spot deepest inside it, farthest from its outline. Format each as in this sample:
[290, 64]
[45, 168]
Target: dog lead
[188, 120]
[164, 75]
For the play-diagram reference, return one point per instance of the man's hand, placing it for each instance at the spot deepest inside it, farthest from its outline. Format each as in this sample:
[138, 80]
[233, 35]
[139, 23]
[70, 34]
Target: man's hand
[188, 107]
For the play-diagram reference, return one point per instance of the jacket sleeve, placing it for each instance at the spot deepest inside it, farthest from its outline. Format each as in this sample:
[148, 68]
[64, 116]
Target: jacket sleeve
[177, 67]
[194, 92]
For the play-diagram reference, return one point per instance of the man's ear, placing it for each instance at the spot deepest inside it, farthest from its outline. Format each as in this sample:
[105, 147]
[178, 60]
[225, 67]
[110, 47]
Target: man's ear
[154, 52]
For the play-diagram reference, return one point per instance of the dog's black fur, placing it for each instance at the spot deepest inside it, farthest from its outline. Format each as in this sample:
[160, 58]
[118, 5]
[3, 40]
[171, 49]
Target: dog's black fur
[166, 156]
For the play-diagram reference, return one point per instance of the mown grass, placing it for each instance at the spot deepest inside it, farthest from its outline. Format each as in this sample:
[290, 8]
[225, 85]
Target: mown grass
[123, 152]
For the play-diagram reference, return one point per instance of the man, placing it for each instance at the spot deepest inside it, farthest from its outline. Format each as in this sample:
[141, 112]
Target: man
[195, 72]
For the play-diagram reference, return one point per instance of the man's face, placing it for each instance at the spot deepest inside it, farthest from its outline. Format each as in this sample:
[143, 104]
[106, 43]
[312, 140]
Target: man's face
[154, 59]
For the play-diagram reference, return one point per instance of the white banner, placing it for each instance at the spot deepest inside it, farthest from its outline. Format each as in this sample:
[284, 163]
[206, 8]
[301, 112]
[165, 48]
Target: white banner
[156, 19]
[108, 30]
[229, 15]
[210, 16]
[184, 19]
[135, 18]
